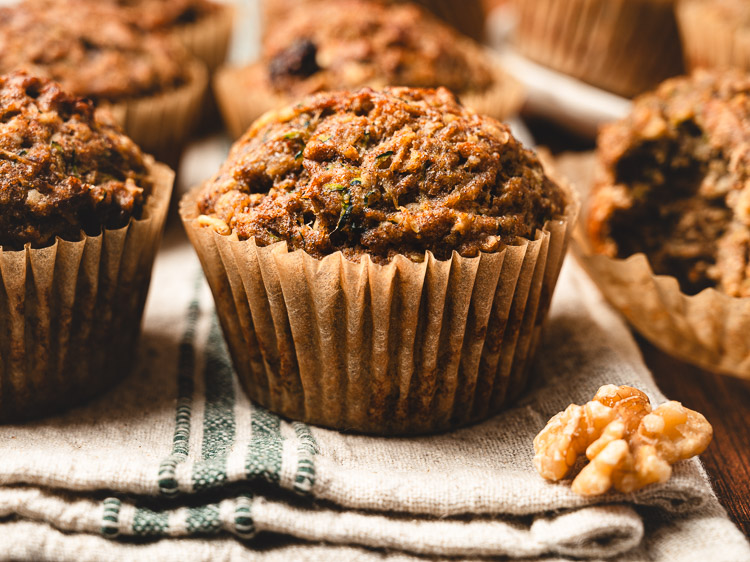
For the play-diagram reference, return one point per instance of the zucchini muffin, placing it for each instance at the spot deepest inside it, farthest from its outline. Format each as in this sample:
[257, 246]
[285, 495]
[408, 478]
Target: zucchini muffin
[623, 46]
[151, 84]
[675, 183]
[345, 225]
[203, 27]
[466, 16]
[82, 211]
[715, 33]
[345, 44]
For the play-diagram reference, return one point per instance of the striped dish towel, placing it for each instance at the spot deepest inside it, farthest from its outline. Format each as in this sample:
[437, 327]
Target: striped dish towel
[176, 464]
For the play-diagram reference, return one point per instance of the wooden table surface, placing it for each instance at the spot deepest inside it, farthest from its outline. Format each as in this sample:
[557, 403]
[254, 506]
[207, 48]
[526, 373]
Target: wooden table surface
[724, 400]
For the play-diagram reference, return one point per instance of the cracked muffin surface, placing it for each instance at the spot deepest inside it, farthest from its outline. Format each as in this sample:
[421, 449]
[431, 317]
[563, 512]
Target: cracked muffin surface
[675, 183]
[92, 49]
[63, 171]
[394, 172]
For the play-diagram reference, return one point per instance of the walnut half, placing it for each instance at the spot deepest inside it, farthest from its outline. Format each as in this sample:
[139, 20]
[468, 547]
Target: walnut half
[628, 444]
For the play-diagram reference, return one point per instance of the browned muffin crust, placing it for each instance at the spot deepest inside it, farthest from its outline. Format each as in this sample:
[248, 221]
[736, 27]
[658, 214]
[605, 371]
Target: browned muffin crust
[676, 183]
[401, 171]
[347, 44]
[92, 49]
[62, 171]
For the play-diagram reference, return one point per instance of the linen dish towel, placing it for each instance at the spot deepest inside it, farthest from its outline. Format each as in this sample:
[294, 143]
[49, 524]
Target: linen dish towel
[176, 464]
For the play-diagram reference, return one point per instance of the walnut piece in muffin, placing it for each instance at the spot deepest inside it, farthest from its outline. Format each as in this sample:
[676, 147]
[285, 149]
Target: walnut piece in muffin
[346, 44]
[92, 49]
[675, 183]
[397, 171]
[62, 170]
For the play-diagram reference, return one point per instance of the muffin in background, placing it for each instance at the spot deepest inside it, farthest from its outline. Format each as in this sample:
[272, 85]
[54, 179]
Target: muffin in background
[467, 16]
[715, 33]
[81, 218]
[345, 44]
[411, 242]
[668, 221]
[149, 83]
[623, 46]
[203, 27]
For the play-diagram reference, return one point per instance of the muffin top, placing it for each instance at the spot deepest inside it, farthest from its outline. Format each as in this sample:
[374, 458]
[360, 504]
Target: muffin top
[90, 48]
[397, 171]
[348, 44]
[675, 182]
[735, 12]
[158, 15]
[62, 171]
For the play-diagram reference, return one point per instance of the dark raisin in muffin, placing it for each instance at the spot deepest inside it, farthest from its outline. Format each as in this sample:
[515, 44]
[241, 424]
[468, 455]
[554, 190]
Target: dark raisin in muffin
[675, 183]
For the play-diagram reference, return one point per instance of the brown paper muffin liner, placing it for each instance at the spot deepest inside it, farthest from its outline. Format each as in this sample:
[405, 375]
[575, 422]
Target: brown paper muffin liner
[208, 38]
[709, 329]
[70, 313]
[402, 348]
[244, 95]
[162, 124]
[623, 46]
[709, 41]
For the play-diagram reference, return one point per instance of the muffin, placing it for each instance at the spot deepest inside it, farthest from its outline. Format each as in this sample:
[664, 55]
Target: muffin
[672, 199]
[623, 46]
[81, 217]
[203, 27]
[715, 33]
[466, 16]
[347, 44]
[407, 240]
[151, 85]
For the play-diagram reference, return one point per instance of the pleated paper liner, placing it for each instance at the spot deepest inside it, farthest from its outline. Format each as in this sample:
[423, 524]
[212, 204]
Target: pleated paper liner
[403, 348]
[623, 46]
[208, 38]
[709, 40]
[710, 329]
[244, 95]
[70, 313]
[161, 124]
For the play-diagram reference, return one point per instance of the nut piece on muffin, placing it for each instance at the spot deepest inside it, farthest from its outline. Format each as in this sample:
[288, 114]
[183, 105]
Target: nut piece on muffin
[349, 44]
[399, 171]
[675, 183]
[81, 214]
[61, 170]
[411, 242]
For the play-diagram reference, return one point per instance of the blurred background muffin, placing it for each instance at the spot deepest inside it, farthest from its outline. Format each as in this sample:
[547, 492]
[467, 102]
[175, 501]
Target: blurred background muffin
[668, 223]
[715, 33]
[81, 215]
[407, 197]
[622, 46]
[353, 43]
[467, 16]
[150, 83]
